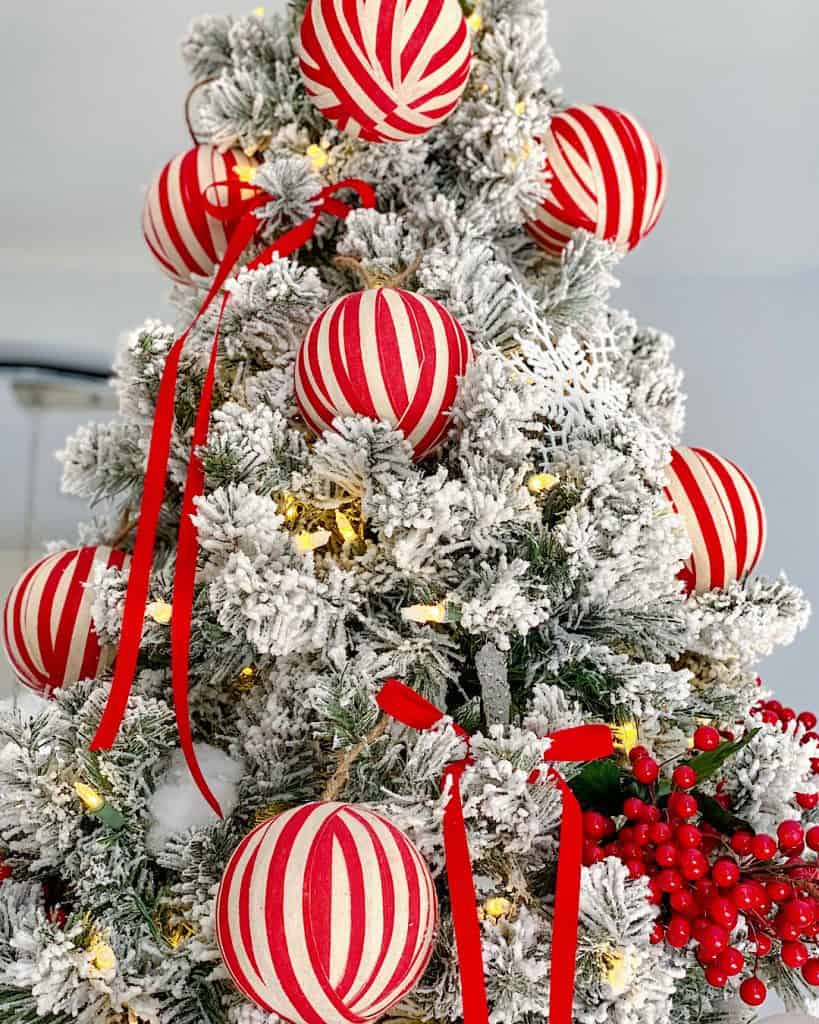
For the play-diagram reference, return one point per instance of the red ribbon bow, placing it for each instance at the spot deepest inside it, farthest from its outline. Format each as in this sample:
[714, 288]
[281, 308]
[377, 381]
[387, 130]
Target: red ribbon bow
[240, 208]
[583, 743]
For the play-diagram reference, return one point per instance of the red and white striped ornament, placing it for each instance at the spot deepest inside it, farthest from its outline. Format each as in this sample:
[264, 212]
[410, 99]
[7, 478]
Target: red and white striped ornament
[384, 70]
[607, 175]
[48, 631]
[388, 354]
[723, 517]
[326, 915]
[183, 236]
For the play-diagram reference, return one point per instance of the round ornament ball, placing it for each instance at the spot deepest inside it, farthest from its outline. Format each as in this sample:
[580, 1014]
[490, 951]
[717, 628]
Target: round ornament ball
[326, 915]
[607, 175]
[387, 354]
[723, 516]
[381, 70]
[48, 631]
[184, 238]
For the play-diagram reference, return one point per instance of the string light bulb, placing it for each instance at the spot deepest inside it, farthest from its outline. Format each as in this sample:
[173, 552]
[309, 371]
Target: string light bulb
[102, 956]
[245, 680]
[616, 969]
[497, 906]
[160, 611]
[626, 736]
[96, 806]
[318, 156]
[245, 173]
[540, 483]
[475, 21]
[520, 108]
[309, 540]
[345, 527]
[92, 801]
[258, 12]
[424, 612]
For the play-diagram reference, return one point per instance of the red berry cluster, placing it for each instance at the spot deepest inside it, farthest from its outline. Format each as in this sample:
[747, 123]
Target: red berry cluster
[703, 882]
[773, 712]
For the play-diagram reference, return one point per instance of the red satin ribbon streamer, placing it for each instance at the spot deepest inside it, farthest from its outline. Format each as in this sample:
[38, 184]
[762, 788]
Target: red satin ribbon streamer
[583, 743]
[242, 209]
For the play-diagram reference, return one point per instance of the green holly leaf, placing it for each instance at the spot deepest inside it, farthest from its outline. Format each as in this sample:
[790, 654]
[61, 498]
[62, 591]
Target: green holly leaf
[708, 763]
[598, 787]
[722, 820]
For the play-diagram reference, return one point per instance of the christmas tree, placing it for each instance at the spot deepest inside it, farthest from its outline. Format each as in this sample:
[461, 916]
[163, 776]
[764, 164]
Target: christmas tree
[400, 586]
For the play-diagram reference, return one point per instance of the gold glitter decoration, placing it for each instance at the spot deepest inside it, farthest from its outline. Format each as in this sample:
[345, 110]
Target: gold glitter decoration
[173, 929]
[334, 521]
[246, 680]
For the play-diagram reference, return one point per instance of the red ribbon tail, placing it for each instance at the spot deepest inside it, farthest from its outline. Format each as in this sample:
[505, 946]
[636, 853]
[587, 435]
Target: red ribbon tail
[584, 743]
[567, 908]
[185, 578]
[157, 468]
[465, 921]
[153, 492]
[136, 595]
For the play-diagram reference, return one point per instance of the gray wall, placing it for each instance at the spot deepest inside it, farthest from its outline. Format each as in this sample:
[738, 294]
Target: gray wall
[93, 106]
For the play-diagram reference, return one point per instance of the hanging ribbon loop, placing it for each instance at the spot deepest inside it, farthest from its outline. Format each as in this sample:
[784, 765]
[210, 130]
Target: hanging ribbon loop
[582, 743]
[241, 208]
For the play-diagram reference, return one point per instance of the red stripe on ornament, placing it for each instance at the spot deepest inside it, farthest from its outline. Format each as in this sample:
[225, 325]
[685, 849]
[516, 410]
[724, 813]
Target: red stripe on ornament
[388, 906]
[760, 518]
[191, 186]
[740, 526]
[70, 610]
[389, 354]
[349, 11]
[281, 955]
[446, 52]
[387, 14]
[359, 895]
[319, 403]
[421, 397]
[169, 223]
[318, 904]
[49, 652]
[573, 147]
[160, 254]
[635, 160]
[427, 24]
[359, 72]
[225, 897]
[19, 619]
[607, 168]
[335, 349]
[704, 522]
[354, 383]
